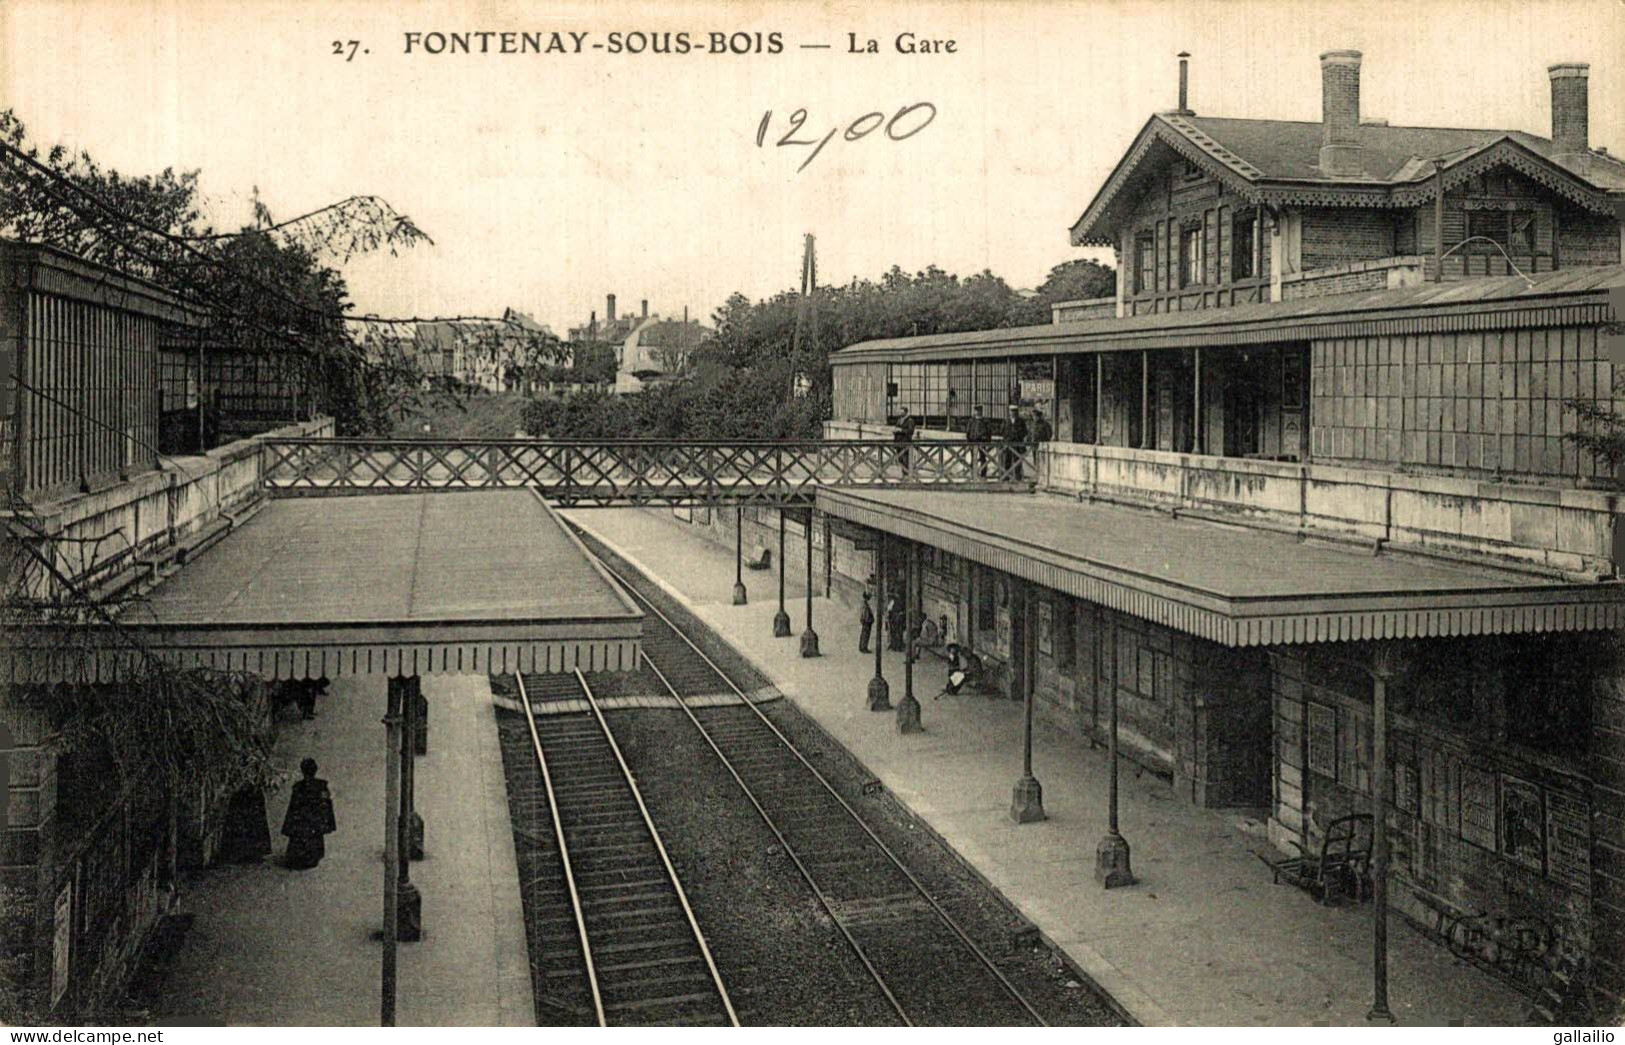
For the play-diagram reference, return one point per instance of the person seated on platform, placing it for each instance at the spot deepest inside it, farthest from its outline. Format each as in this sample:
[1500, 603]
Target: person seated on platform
[764, 561]
[927, 636]
[309, 819]
[965, 670]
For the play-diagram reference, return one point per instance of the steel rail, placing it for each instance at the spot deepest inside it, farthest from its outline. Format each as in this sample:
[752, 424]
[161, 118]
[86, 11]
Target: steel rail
[789, 850]
[660, 847]
[919, 887]
[564, 852]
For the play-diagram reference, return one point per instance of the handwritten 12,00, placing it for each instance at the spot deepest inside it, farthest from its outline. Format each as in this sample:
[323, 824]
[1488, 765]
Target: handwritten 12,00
[905, 123]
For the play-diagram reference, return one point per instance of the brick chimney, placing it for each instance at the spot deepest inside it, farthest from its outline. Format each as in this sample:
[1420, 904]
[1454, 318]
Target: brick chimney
[1184, 84]
[645, 308]
[609, 314]
[1340, 114]
[1570, 108]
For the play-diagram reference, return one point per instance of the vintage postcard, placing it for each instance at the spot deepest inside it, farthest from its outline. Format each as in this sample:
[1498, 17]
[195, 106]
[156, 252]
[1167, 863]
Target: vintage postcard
[968, 514]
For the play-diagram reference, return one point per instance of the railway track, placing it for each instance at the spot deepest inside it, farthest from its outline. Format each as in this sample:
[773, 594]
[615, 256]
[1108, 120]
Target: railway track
[619, 943]
[923, 961]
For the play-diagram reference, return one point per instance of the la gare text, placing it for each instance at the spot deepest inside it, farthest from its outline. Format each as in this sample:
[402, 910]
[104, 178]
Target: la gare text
[664, 42]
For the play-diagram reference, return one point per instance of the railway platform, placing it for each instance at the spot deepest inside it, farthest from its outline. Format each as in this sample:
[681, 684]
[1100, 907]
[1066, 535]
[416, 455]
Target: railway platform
[300, 948]
[1203, 938]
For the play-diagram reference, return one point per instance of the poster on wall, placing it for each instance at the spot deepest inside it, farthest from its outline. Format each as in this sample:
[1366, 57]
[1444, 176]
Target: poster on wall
[1405, 788]
[1046, 628]
[1568, 840]
[61, 940]
[1478, 807]
[1523, 823]
[1323, 740]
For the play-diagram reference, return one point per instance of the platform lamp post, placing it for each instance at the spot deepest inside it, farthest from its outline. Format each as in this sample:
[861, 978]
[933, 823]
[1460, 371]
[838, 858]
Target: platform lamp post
[392, 843]
[1382, 672]
[1112, 866]
[809, 638]
[908, 709]
[879, 692]
[781, 619]
[739, 556]
[409, 902]
[1027, 800]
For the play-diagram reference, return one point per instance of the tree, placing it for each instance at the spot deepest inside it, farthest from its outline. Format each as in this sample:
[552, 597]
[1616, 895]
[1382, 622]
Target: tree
[1600, 429]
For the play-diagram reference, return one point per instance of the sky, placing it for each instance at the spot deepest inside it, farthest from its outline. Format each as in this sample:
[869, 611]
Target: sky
[550, 180]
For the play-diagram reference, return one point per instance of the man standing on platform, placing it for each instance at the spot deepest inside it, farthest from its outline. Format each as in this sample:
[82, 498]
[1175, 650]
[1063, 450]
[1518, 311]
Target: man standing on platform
[1015, 444]
[1042, 432]
[866, 621]
[976, 433]
[905, 435]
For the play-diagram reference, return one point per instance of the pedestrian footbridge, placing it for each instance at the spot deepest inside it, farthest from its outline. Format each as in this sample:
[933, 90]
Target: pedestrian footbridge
[604, 473]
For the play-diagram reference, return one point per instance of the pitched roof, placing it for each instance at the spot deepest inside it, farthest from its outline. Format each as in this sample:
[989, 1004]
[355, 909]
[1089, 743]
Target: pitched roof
[1278, 161]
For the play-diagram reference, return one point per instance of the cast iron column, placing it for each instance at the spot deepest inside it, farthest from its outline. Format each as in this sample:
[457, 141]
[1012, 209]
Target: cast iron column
[1145, 399]
[1381, 672]
[879, 692]
[829, 559]
[1027, 801]
[781, 619]
[409, 902]
[739, 556]
[392, 842]
[1196, 405]
[1112, 867]
[1100, 399]
[908, 709]
[809, 638]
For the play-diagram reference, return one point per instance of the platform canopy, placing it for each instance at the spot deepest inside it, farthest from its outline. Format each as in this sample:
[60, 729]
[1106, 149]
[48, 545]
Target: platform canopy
[375, 585]
[1231, 584]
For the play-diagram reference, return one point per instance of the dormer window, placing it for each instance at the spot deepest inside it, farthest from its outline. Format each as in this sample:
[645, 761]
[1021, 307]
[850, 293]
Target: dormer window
[1512, 230]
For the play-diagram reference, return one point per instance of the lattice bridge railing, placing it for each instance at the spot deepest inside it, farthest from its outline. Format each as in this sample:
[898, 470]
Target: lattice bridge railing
[635, 472]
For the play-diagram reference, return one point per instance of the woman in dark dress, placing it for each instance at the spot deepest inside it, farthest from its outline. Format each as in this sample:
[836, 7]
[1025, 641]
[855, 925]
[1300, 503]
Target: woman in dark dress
[310, 817]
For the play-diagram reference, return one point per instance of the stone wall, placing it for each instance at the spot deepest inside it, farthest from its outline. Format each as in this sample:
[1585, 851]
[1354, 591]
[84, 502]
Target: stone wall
[1562, 529]
[1499, 844]
[104, 539]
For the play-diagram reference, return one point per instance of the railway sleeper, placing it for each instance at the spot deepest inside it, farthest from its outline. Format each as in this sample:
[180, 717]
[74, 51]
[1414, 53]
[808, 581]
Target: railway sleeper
[618, 987]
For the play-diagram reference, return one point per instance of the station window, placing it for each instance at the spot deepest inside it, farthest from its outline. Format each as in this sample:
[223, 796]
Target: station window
[1242, 246]
[1191, 267]
[1513, 230]
[1145, 262]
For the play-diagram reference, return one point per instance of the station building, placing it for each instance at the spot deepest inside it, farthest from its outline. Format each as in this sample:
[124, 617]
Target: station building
[1316, 445]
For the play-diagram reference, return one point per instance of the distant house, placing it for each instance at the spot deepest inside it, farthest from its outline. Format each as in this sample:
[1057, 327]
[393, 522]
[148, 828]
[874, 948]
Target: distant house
[614, 328]
[655, 351]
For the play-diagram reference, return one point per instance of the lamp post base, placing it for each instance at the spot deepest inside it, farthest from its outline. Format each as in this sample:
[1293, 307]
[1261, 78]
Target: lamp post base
[1112, 868]
[809, 643]
[781, 625]
[879, 694]
[908, 716]
[739, 593]
[1379, 1012]
[409, 914]
[1027, 801]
